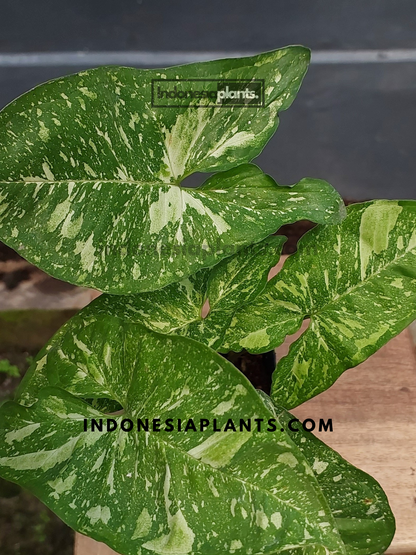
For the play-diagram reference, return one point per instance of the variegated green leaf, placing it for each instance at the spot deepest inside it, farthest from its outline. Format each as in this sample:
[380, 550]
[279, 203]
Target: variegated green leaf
[232, 283]
[359, 505]
[164, 492]
[90, 174]
[178, 307]
[153, 234]
[356, 282]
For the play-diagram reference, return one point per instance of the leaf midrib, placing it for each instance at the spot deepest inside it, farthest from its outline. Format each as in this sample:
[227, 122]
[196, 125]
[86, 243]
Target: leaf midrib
[362, 283]
[81, 181]
[174, 446]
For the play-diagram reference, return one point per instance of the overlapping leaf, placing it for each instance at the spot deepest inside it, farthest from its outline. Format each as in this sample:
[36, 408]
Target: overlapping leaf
[93, 170]
[178, 307]
[159, 492]
[358, 503]
[133, 238]
[356, 282]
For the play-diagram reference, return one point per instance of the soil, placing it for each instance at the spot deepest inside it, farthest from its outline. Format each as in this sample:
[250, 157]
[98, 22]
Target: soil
[27, 527]
[257, 368]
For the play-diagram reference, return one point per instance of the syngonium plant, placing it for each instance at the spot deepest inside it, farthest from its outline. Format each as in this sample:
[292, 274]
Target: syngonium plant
[91, 192]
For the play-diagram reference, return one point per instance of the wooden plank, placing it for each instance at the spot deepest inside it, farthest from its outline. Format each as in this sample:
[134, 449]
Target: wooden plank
[373, 408]
[87, 546]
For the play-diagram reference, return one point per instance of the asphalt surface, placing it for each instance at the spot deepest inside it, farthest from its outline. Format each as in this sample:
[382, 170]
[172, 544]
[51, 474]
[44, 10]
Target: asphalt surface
[353, 124]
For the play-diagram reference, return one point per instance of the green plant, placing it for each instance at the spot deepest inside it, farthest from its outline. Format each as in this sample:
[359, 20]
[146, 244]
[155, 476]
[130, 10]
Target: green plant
[9, 369]
[90, 192]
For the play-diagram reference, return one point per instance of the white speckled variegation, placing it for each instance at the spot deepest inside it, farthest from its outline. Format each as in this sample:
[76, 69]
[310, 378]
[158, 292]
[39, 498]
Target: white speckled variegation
[178, 308]
[90, 174]
[158, 492]
[355, 281]
[358, 503]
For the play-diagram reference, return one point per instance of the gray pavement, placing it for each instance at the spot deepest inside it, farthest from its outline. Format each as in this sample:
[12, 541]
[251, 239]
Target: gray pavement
[353, 124]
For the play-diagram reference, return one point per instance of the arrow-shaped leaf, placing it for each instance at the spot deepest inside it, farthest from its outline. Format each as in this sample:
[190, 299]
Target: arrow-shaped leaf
[356, 282]
[93, 170]
[358, 503]
[159, 491]
[178, 308]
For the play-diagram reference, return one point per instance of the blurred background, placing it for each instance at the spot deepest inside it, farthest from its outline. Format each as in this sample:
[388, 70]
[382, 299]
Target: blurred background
[353, 124]
[354, 121]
